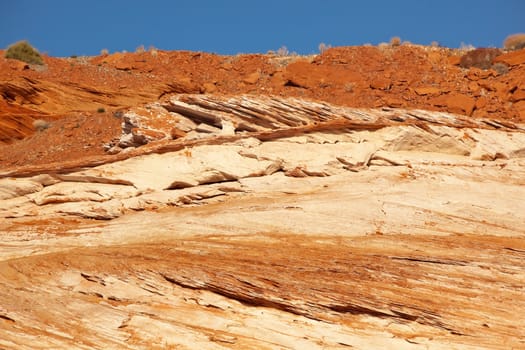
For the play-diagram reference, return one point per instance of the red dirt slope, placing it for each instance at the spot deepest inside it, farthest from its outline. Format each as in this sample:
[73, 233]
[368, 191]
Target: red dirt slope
[71, 90]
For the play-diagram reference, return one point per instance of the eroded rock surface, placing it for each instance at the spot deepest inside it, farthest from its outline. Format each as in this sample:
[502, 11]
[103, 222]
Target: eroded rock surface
[271, 223]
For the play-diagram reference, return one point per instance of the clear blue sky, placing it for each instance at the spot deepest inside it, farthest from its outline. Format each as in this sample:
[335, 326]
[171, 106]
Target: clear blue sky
[64, 28]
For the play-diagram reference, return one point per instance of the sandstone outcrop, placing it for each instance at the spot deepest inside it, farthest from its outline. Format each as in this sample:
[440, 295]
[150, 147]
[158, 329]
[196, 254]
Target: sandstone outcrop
[363, 198]
[304, 225]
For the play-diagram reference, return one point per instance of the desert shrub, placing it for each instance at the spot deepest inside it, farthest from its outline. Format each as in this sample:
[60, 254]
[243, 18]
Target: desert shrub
[104, 52]
[283, 51]
[480, 58]
[101, 110]
[500, 68]
[514, 41]
[118, 114]
[40, 124]
[323, 47]
[466, 47]
[23, 51]
[395, 41]
[153, 51]
[140, 49]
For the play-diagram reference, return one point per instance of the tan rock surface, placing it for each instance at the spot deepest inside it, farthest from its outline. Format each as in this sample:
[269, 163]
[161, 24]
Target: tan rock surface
[322, 227]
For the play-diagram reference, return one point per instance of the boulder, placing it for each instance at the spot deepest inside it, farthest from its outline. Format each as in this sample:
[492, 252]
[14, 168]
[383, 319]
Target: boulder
[381, 84]
[427, 90]
[252, 78]
[513, 58]
[459, 103]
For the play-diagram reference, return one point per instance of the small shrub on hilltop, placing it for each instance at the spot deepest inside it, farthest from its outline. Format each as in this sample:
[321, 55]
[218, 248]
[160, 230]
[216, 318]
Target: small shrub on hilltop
[395, 41]
[153, 51]
[323, 47]
[514, 42]
[480, 58]
[283, 51]
[23, 51]
[466, 47]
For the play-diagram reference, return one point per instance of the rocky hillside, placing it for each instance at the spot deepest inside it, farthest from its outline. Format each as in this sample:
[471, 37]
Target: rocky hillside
[362, 198]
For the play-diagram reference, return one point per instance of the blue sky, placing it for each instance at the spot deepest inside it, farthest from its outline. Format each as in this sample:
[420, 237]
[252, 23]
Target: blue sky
[64, 28]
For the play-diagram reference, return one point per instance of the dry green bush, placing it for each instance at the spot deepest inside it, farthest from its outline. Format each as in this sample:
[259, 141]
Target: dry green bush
[23, 51]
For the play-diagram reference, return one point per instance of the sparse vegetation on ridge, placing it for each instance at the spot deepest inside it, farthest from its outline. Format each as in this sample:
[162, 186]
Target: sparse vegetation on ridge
[479, 58]
[514, 42]
[283, 51]
[23, 51]
[323, 47]
[395, 41]
[153, 51]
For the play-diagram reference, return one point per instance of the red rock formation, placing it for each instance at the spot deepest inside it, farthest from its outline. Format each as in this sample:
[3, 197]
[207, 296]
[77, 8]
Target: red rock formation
[276, 210]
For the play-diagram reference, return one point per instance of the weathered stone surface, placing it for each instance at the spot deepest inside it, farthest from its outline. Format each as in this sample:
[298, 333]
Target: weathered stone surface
[11, 188]
[321, 227]
[120, 281]
[81, 192]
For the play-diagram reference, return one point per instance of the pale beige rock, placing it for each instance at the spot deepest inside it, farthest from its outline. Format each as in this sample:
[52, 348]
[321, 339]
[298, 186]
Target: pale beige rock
[227, 127]
[492, 145]
[82, 192]
[199, 165]
[441, 139]
[402, 236]
[11, 188]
